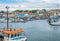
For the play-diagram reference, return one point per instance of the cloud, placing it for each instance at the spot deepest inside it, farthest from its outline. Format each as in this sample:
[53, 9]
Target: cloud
[12, 6]
[52, 1]
[28, 4]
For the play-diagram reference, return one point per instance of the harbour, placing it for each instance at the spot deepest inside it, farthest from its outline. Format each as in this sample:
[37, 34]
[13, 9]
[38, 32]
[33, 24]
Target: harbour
[27, 20]
[38, 30]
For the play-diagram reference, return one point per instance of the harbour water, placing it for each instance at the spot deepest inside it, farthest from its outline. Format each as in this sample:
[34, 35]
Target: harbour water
[38, 30]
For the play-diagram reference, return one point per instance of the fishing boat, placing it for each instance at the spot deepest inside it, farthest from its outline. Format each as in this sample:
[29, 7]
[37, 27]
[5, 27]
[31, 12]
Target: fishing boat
[54, 20]
[55, 23]
[10, 34]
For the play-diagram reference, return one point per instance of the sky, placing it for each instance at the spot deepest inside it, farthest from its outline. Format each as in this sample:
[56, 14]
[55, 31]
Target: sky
[29, 4]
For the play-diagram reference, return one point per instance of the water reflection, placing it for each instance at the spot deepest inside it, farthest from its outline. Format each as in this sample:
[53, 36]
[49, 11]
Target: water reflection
[55, 27]
[38, 30]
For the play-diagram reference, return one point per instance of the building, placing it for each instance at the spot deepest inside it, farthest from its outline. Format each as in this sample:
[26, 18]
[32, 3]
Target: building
[54, 12]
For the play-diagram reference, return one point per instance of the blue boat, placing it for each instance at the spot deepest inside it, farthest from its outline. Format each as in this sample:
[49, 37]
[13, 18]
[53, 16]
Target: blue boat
[21, 15]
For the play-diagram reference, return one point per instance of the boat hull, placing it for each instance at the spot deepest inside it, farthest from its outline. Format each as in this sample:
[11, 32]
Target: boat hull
[25, 39]
[55, 23]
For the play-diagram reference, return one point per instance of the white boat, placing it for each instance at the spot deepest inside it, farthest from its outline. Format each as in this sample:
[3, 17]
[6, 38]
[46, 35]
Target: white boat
[55, 20]
[55, 23]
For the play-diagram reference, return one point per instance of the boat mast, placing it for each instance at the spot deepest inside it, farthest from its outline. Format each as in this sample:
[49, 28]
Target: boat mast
[7, 17]
[57, 9]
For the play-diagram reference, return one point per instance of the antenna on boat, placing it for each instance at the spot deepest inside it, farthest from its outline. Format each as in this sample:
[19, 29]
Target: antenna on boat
[7, 17]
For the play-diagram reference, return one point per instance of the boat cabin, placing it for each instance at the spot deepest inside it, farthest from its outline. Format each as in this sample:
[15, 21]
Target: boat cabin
[10, 33]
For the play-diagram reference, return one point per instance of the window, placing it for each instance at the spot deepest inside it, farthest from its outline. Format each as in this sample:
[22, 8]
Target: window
[12, 35]
[15, 35]
[8, 35]
[18, 34]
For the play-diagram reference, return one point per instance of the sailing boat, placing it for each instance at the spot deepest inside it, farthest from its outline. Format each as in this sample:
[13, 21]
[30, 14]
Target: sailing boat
[55, 20]
[10, 34]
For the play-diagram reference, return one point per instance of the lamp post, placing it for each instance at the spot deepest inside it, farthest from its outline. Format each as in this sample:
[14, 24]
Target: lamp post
[7, 17]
